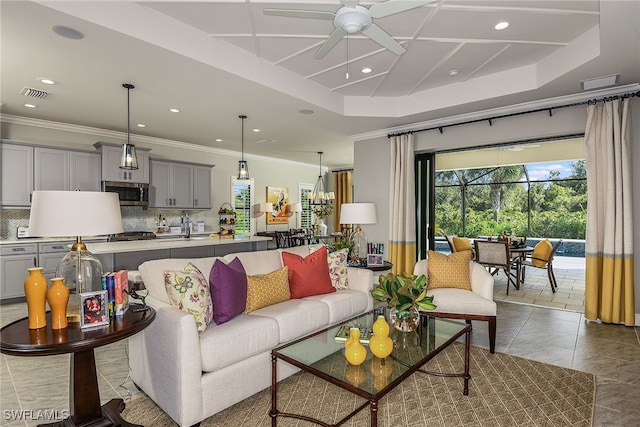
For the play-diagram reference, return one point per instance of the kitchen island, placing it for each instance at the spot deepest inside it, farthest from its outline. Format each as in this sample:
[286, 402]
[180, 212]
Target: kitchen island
[20, 254]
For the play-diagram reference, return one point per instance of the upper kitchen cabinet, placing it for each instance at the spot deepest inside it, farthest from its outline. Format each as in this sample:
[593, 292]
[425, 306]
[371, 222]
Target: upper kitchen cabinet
[16, 174]
[180, 185]
[66, 170]
[111, 154]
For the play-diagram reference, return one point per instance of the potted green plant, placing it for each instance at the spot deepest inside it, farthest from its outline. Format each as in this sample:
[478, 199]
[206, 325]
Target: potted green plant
[404, 294]
[342, 244]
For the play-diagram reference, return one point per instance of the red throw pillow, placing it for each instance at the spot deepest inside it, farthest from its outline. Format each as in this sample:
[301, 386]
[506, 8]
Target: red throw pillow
[309, 275]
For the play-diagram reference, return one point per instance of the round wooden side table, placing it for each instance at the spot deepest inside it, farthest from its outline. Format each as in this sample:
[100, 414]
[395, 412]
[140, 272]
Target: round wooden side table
[17, 339]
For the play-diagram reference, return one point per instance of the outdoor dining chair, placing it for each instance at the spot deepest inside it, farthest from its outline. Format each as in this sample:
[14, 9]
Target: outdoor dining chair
[542, 257]
[495, 256]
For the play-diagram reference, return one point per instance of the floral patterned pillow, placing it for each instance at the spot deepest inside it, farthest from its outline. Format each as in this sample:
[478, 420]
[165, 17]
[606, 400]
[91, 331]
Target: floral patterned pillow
[338, 268]
[188, 290]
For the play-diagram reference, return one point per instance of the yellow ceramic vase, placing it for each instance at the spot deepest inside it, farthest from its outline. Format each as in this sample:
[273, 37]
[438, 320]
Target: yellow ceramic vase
[354, 351]
[35, 289]
[380, 344]
[58, 297]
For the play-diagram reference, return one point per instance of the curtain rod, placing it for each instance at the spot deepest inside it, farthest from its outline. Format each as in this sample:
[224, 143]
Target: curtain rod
[549, 109]
[342, 170]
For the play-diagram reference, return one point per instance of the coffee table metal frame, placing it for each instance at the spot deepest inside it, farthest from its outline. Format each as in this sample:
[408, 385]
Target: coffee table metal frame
[372, 399]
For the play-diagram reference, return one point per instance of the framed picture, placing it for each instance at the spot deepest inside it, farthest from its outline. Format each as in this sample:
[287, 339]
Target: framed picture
[374, 260]
[279, 198]
[93, 306]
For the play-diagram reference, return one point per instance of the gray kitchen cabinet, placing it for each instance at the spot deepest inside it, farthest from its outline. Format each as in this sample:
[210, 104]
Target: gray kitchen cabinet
[15, 261]
[111, 154]
[56, 169]
[50, 254]
[180, 185]
[202, 187]
[16, 174]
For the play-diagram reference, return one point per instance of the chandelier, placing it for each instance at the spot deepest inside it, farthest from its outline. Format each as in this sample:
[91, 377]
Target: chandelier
[320, 196]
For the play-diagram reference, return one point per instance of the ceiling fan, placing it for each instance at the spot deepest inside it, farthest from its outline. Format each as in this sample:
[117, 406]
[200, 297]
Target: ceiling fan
[352, 18]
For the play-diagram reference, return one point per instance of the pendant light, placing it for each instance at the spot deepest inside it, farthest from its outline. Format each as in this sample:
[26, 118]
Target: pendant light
[243, 169]
[320, 196]
[129, 160]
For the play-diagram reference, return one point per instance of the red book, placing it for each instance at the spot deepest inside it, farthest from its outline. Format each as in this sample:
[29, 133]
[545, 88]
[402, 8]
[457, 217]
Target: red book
[121, 297]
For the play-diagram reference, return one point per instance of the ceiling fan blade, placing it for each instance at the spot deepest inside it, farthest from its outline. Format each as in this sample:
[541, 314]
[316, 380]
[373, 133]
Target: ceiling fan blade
[391, 7]
[350, 3]
[309, 14]
[379, 36]
[330, 43]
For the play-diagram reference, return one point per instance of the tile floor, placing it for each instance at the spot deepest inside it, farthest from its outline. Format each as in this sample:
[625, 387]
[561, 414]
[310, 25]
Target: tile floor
[39, 386]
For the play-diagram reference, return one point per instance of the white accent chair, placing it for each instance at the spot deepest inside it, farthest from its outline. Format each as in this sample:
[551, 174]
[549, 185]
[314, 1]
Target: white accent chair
[476, 304]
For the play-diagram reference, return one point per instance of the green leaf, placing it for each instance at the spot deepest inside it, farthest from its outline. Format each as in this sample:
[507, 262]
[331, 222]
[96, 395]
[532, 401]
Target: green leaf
[426, 305]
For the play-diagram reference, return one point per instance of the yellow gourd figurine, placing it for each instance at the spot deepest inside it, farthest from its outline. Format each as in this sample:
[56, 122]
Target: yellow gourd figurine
[380, 344]
[354, 351]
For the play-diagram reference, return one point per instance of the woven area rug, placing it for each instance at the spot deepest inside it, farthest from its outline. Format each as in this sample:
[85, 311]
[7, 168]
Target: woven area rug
[504, 391]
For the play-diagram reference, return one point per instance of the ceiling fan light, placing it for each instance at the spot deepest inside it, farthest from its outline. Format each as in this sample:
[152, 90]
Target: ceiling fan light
[352, 20]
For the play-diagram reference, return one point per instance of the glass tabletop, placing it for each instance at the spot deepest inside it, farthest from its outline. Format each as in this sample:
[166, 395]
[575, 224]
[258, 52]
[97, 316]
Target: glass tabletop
[323, 355]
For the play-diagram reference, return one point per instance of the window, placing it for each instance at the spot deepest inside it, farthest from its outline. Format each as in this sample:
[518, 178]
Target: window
[242, 201]
[305, 215]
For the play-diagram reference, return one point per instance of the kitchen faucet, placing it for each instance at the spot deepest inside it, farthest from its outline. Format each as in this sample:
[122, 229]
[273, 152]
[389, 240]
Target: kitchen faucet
[186, 229]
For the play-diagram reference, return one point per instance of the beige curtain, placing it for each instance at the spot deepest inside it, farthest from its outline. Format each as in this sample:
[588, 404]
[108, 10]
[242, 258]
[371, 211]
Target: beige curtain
[402, 212]
[609, 293]
[343, 189]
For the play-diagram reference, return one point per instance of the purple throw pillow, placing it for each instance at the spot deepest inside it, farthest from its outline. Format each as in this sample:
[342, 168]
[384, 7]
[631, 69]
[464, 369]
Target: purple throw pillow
[228, 283]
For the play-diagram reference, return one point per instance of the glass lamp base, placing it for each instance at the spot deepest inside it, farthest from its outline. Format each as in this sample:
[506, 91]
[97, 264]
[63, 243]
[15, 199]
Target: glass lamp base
[81, 270]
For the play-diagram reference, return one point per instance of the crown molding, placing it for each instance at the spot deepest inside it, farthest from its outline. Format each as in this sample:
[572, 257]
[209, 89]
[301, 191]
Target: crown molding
[147, 141]
[511, 109]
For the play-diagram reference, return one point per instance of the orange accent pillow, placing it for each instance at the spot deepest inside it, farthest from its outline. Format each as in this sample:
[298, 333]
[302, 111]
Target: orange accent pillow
[462, 244]
[450, 271]
[541, 253]
[309, 275]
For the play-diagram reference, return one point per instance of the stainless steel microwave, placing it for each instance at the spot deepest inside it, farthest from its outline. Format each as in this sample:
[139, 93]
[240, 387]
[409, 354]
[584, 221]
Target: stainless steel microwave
[129, 193]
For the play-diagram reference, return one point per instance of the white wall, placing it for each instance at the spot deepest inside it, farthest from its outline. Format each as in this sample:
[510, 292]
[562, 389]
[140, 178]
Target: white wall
[265, 171]
[371, 168]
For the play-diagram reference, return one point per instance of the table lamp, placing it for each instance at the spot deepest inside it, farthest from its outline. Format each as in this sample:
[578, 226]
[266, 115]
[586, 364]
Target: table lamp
[264, 208]
[358, 214]
[76, 213]
[297, 208]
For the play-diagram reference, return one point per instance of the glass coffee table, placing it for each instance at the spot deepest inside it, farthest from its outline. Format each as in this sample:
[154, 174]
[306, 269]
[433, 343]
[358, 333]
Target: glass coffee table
[321, 355]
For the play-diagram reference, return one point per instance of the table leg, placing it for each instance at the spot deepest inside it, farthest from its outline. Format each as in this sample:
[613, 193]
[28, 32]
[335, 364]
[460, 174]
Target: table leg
[274, 392]
[373, 409]
[84, 397]
[467, 345]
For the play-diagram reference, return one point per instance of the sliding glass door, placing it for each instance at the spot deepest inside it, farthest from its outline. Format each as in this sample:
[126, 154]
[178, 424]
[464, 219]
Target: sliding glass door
[425, 204]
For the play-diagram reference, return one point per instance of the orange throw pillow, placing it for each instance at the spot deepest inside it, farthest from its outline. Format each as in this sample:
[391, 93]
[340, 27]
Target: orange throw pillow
[541, 253]
[309, 275]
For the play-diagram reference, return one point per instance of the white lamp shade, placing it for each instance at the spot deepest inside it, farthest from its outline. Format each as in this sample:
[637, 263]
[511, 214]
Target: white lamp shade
[295, 207]
[74, 213]
[358, 213]
[266, 207]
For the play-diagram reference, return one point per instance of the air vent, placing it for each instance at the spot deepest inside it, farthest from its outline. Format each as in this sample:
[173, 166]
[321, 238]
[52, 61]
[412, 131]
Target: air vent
[34, 93]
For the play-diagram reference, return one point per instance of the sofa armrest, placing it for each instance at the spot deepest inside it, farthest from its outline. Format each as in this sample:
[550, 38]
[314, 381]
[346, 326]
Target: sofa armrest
[165, 361]
[360, 279]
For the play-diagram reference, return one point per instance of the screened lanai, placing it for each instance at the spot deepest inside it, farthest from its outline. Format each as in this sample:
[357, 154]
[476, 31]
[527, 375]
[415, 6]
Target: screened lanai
[534, 189]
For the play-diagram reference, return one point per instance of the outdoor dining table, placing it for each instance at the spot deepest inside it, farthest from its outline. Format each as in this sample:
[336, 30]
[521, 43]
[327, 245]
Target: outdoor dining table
[519, 253]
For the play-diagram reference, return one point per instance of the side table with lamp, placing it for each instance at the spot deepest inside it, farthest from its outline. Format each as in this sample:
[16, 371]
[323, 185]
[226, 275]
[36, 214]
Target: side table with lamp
[358, 214]
[76, 213]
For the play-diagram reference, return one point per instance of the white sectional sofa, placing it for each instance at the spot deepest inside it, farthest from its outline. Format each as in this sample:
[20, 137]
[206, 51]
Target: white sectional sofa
[192, 376]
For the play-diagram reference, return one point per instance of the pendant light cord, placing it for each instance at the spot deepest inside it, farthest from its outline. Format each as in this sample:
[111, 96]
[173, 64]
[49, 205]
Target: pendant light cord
[242, 117]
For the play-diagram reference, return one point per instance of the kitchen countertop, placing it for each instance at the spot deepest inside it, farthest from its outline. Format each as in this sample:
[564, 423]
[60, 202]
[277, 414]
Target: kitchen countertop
[99, 245]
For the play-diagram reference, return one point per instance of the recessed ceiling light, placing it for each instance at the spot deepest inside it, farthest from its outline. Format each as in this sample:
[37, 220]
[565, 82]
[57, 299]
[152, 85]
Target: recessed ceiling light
[141, 125]
[218, 140]
[46, 81]
[266, 140]
[30, 106]
[174, 110]
[454, 72]
[366, 70]
[67, 32]
[305, 111]
[501, 25]
[256, 130]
